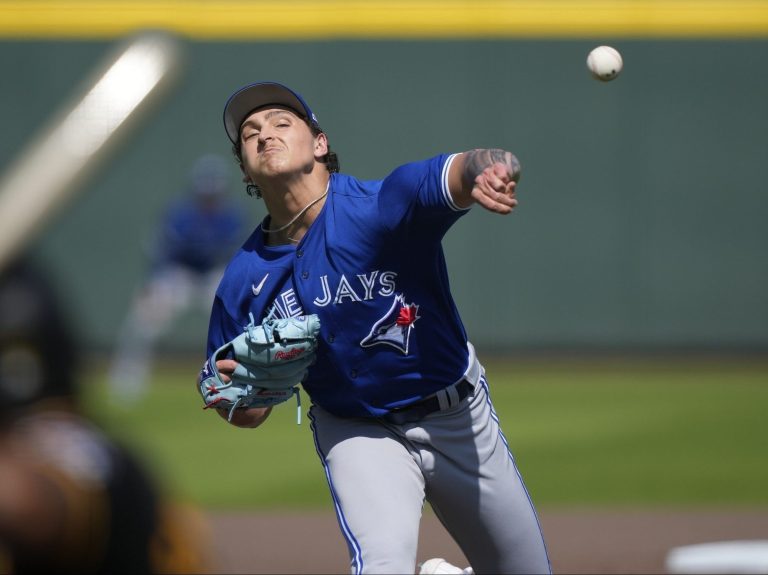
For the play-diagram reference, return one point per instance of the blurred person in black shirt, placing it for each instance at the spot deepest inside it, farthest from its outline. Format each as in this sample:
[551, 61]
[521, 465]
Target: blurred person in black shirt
[72, 500]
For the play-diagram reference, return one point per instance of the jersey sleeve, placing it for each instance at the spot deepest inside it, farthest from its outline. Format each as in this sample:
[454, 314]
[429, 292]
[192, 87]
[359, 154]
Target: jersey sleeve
[418, 193]
[221, 327]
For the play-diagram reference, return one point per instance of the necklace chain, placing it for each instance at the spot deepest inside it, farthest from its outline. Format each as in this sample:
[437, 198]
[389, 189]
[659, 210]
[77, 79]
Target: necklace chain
[297, 216]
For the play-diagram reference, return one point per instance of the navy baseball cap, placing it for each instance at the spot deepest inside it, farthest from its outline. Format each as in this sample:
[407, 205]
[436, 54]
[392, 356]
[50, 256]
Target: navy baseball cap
[243, 102]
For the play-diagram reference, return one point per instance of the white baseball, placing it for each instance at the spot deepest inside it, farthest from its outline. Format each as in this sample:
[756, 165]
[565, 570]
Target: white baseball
[604, 63]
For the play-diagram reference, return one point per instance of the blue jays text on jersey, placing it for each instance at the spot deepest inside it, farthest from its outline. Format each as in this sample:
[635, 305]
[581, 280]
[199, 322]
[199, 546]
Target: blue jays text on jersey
[371, 266]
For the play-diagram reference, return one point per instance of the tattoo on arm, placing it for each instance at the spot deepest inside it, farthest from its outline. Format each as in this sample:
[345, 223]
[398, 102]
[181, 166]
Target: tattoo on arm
[475, 161]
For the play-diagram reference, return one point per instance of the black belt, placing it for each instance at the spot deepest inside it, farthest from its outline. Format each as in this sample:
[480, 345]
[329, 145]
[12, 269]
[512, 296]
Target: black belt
[440, 401]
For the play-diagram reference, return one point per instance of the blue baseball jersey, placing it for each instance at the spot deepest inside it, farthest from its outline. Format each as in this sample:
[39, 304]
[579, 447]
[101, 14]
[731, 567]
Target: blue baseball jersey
[371, 266]
[198, 236]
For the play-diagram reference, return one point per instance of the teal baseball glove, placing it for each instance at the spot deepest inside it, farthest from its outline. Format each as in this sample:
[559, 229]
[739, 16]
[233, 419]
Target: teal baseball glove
[272, 358]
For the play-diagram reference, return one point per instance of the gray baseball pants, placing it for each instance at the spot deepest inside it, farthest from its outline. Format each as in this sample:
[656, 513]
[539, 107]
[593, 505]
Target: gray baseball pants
[458, 460]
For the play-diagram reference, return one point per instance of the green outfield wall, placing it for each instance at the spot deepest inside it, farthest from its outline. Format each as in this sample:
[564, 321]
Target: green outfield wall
[643, 218]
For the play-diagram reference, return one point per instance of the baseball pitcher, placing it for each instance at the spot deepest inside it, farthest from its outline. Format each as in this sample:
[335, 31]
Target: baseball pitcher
[343, 288]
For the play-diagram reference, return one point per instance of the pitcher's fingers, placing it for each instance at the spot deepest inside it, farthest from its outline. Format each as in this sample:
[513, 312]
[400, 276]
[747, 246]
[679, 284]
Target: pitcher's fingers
[502, 172]
[226, 367]
[492, 178]
[504, 194]
[494, 201]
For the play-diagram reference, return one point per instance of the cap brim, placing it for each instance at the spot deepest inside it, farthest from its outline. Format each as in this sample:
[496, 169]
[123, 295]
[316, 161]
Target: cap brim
[243, 102]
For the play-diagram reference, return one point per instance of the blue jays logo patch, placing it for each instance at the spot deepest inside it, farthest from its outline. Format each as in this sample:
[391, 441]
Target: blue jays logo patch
[395, 327]
[206, 372]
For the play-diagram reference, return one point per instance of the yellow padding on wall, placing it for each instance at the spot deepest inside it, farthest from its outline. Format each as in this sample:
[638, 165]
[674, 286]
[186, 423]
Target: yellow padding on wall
[364, 19]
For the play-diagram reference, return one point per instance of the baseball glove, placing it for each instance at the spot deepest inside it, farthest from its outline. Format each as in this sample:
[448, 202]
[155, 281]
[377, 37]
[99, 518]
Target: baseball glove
[272, 358]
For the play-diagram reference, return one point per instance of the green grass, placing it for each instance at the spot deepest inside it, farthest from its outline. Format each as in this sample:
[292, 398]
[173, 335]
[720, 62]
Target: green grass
[612, 433]
[634, 433]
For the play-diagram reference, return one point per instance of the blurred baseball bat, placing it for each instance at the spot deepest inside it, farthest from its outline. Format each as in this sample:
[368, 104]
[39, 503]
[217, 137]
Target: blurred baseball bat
[81, 136]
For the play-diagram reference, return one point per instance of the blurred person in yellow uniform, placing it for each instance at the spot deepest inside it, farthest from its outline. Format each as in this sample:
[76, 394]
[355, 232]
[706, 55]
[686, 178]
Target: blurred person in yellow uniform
[72, 499]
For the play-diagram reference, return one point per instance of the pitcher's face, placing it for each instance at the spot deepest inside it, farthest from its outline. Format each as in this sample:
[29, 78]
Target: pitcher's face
[275, 142]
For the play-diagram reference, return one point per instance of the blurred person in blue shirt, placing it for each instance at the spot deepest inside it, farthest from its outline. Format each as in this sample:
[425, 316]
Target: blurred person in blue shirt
[197, 235]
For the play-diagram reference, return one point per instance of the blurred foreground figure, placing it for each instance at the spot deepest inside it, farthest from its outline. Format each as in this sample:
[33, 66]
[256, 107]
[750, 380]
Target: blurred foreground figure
[72, 500]
[198, 234]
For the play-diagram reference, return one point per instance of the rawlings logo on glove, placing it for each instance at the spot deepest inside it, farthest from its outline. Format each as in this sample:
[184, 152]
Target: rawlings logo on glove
[272, 359]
